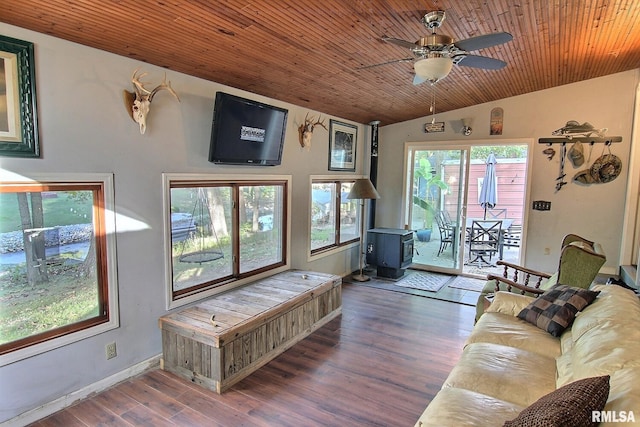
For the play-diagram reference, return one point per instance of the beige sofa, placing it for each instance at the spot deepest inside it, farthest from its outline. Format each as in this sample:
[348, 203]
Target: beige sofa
[507, 363]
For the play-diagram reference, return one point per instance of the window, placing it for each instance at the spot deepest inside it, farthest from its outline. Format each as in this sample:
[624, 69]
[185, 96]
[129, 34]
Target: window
[334, 218]
[56, 282]
[223, 231]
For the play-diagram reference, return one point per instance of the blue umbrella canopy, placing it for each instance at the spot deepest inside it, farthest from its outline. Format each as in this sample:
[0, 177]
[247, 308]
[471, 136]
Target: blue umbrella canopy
[488, 197]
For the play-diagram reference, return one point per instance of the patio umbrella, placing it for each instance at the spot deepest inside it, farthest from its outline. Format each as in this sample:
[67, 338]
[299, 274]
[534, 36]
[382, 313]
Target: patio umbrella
[488, 196]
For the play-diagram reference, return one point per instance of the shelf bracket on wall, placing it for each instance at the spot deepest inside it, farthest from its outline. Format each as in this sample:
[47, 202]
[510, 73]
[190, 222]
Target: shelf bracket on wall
[583, 139]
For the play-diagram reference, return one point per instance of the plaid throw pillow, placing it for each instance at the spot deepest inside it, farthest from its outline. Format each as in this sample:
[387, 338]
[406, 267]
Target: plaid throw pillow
[555, 310]
[568, 406]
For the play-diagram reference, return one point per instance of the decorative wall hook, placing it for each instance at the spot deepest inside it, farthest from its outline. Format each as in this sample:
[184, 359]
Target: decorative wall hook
[550, 152]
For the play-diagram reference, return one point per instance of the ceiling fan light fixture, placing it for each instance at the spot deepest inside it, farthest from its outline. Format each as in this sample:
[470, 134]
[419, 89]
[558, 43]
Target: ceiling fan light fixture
[433, 69]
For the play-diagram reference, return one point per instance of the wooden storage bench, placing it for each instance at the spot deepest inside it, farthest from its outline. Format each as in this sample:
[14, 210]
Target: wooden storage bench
[251, 325]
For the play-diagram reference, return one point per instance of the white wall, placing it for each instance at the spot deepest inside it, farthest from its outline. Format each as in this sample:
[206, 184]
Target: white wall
[595, 212]
[84, 127]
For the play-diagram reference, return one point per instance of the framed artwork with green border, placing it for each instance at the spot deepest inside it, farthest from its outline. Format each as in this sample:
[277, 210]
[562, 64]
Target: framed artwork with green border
[18, 113]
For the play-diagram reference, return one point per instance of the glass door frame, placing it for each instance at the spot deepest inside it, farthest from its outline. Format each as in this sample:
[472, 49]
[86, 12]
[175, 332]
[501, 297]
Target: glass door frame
[407, 207]
[408, 170]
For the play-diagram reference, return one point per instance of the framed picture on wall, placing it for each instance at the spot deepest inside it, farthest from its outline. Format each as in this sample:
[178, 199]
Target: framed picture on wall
[18, 114]
[342, 146]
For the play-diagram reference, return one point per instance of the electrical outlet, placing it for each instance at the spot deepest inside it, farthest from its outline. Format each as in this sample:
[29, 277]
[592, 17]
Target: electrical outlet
[111, 350]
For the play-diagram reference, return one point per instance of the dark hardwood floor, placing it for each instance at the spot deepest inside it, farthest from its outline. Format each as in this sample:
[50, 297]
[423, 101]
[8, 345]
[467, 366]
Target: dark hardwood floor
[379, 363]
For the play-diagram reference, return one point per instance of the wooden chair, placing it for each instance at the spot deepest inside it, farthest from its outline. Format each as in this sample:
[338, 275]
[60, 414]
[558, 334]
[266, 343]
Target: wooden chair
[579, 264]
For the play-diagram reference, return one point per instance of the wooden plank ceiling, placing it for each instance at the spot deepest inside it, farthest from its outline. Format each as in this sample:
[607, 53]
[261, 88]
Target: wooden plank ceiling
[311, 53]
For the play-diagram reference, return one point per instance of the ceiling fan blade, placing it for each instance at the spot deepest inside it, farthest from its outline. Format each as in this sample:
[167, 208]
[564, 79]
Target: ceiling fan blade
[477, 61]
[486, 40]
[394, 61]
[400, 42]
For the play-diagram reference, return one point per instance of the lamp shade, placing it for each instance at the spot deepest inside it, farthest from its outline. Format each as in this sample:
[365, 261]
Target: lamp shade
[363, 189]
[433, 69]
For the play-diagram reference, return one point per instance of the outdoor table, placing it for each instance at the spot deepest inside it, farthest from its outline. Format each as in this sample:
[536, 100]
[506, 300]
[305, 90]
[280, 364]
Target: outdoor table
[506, 224]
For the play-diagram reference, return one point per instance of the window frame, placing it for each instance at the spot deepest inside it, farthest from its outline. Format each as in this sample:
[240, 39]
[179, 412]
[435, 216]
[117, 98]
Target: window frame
[173, 180]
[337, 245]
[106, 261]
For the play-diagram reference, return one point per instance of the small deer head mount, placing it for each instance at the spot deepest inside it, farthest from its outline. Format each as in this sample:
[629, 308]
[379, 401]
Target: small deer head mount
[139, 101]
[305, 131]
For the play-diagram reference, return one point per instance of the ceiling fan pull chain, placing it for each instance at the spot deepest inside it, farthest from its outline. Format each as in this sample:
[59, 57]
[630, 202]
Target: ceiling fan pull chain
[433, 103]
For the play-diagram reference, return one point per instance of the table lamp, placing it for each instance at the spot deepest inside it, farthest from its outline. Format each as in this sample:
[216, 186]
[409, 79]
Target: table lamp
[363, 190]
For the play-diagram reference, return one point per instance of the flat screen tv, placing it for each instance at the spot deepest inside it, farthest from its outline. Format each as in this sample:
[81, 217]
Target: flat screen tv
[246, 132]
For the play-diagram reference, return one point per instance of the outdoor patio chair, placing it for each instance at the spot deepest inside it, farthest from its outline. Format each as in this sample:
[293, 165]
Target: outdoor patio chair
[497, 213]
[446, 231]
[511, 236]
[447, 217]
[484, 241]
[579, 264]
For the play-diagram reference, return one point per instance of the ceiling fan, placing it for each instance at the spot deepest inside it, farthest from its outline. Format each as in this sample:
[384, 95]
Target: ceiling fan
[437, 53]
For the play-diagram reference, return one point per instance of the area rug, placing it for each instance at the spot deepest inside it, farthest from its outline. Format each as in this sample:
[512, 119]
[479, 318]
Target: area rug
[431, 282]
[467, 283]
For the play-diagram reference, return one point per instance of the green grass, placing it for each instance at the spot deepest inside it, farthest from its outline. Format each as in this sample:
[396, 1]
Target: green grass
[322, 235]
[28, 310]
[256, 250]
[67, 208]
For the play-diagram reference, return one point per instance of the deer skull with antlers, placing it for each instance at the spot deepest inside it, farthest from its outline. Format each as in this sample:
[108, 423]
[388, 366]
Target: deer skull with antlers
[305, 131]
[139, 101]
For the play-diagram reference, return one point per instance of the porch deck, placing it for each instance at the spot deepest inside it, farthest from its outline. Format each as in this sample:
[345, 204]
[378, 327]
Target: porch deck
[427, 253]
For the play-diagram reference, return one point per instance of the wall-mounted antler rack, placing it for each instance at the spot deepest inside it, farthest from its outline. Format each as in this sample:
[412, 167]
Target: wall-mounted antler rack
[583, 139]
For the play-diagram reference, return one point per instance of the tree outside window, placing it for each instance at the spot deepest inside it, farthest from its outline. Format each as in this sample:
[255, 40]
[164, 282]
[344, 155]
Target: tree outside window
[334, 217]
[223, 231]
[54, 279]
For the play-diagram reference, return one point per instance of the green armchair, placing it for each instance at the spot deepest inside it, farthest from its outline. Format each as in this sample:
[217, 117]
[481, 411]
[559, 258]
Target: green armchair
[580, 262]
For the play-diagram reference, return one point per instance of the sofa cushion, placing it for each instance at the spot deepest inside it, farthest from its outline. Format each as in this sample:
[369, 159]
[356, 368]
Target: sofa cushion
[615, 304]
[508, 330]
[606, 334]
[506, 373]
[564, 368]
[508, 303]
[460, 407]
[555, 310]
[569, 406]
[605, 350]
[624, 393]
[490, 288]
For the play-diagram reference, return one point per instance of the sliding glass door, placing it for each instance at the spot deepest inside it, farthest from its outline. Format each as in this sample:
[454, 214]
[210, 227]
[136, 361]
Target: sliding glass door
[443, 195]
[435, 192]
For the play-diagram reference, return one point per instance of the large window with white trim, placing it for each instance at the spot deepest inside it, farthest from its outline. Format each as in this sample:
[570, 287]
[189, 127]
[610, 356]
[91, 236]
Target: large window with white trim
[56, 283]
[224, 230]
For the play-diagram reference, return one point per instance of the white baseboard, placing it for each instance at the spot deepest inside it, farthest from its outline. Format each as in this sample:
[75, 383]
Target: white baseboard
[71, 398]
